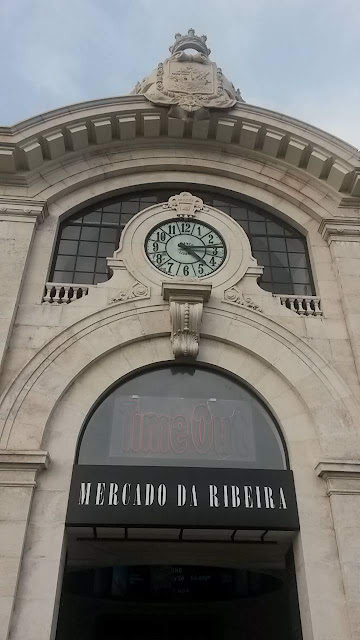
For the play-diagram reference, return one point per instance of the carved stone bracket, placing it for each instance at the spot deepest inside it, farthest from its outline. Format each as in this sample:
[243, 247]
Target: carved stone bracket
[186, 308]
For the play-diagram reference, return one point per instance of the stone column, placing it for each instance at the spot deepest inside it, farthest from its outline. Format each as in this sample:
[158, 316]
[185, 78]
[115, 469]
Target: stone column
[343, 488]
[17, 481]
[343, 237]
[18, 221]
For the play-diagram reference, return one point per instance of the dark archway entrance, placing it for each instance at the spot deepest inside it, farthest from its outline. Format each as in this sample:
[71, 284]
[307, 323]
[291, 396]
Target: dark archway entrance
[180, 519]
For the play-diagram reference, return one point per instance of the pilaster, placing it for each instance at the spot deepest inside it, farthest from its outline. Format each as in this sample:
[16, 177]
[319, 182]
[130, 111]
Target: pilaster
[18, 220]
[343, 488]
[18, 471]
[343, 237]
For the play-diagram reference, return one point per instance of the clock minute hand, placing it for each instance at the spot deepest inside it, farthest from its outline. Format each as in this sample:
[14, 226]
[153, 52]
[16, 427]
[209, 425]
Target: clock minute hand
[209, 246]
[190, 250]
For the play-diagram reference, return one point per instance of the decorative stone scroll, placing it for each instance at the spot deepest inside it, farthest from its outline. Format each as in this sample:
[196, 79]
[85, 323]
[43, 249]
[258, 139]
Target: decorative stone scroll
[185, 204]
[186, 308]
[136, 290]
[237, 297]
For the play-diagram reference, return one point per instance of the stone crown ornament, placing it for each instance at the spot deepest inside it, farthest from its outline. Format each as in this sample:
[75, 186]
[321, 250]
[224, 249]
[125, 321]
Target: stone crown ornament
[190, 84]
[190, 41]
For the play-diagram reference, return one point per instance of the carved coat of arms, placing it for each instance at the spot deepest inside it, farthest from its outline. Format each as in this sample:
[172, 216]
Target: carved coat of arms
[189, 81]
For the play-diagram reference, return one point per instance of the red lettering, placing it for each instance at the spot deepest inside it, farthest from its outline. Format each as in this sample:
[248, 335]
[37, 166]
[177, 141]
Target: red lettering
[179, 434]
[202, 429]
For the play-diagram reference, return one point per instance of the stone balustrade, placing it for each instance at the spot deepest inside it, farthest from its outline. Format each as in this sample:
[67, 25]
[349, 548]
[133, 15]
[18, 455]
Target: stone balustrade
[59, 293]
[302, 305]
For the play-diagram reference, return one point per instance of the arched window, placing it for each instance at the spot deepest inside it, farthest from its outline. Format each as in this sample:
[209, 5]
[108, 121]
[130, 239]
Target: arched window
[87, 238]
[182, 415]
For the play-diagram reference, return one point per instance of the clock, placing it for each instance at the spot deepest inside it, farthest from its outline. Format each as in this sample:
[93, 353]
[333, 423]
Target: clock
[181, 247]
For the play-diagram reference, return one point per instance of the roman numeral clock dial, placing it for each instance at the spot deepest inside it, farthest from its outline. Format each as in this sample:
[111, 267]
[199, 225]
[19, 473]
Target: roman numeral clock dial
[185, 248]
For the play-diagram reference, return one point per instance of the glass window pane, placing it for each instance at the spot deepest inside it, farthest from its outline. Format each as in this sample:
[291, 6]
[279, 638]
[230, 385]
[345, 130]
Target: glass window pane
[130, 207]
[100, 277]
[108, 235]
[111, 218]
[93, 216]
[68, 247]
[297, 260]
[257, 217]
[90, 233]
[70, 233]
[239, 213]
[101, 266]
[263, 258]
[87, 248]
[279, 287]
[258, 228]
[83, 278]
[300, 275]
[294, 244]
[259, 244]
[274, 229]
[244, 224]
[85, 264]
[267, 286]
[281, 275]
[266, 276]
[302, 289]
[125, 217]
[106, 249]
[277, 244]
[65, 263]
[114, 207]
[62, 276]
[279, 259]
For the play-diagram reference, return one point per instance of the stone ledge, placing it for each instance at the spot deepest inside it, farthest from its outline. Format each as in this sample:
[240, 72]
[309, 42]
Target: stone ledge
[342, 476]
[23, 460]
[23, 210]
[340, 229]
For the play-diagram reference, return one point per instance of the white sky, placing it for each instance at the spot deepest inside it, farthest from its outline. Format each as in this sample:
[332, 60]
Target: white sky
[299, 57]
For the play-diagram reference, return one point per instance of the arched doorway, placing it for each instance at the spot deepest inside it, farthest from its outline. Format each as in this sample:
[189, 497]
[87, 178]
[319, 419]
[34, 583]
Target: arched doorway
[179, 549]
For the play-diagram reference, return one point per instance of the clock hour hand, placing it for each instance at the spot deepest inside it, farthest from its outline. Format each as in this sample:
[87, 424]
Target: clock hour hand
[190, 250]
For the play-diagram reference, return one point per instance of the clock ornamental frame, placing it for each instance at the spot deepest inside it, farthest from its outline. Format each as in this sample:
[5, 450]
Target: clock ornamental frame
[136, 276]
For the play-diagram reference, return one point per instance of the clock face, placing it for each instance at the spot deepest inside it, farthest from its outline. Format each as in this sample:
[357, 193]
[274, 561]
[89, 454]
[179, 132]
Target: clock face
[185, 248]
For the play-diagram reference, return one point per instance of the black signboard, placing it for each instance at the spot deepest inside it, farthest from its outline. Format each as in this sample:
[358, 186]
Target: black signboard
[192, 497]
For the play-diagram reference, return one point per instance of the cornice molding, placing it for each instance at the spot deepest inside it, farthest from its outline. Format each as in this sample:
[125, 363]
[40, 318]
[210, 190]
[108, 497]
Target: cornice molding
[342, 476]
[41, 143]
[340, 229]
[23, 210]
[23, 460]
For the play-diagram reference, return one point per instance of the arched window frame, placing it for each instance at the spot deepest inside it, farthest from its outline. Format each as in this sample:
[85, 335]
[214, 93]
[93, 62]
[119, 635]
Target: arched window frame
[200, 366]
[83, 245]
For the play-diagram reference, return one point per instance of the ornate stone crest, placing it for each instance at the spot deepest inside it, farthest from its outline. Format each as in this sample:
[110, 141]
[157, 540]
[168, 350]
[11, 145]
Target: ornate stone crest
[189, 82]
[185, 204]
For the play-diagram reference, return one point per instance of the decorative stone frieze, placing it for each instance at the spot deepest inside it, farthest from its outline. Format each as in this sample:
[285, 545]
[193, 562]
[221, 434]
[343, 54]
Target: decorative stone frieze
[186, 300]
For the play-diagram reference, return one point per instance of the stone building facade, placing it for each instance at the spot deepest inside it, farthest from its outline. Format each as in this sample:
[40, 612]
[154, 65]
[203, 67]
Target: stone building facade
[64, 342]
